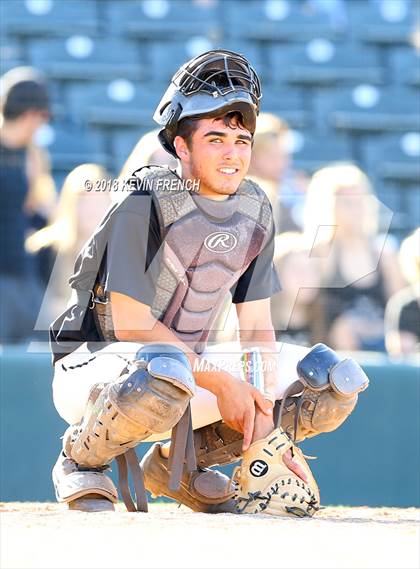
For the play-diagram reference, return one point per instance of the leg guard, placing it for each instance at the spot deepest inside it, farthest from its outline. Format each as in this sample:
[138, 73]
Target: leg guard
[120, 414]
[70, 483]
[330, 391]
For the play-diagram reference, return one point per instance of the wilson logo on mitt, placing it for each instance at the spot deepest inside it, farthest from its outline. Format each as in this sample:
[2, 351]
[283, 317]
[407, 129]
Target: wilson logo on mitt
[258, 468]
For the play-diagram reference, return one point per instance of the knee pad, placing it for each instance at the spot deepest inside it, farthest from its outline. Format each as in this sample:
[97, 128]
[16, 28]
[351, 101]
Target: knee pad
[322, 369]
[150, 398]
[330, 390]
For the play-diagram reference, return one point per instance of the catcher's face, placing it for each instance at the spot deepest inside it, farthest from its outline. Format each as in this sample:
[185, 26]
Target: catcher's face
[219, 156]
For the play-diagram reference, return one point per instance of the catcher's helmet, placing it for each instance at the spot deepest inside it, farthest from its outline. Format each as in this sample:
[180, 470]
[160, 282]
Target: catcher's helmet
[211, 84]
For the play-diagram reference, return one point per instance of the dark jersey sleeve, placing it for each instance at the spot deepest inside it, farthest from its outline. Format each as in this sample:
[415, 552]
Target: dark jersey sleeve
[132, 257]
[260, 280]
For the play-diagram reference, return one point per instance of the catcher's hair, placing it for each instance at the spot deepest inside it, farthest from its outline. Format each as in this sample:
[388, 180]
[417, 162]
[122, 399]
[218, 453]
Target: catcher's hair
[188, 126]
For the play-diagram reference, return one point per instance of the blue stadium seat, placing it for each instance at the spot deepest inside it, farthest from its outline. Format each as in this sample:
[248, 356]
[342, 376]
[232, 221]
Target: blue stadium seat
[84, 57]
[404, 203]
[279, 20]
[166, 56]
[162, 19]
[394, 157]
[123, 141]
[315, 151]
[70, 145]
[367, 108]
[115, 103]
[411, 198]
[11, 52]
[321, 62]
[48, 17]
[405, 66]
[288, 104]
[387, 22]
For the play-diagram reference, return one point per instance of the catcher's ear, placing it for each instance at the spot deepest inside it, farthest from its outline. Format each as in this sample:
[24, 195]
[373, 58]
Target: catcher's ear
[182, 149]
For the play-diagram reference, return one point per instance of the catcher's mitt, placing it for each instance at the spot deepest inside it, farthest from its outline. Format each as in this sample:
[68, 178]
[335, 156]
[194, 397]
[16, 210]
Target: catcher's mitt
[264, 484]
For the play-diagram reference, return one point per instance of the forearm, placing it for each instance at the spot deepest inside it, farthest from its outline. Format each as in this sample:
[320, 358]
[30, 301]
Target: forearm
[264, 339]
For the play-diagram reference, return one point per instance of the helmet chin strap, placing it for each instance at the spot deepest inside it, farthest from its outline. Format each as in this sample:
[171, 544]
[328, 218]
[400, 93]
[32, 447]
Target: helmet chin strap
[167, 135]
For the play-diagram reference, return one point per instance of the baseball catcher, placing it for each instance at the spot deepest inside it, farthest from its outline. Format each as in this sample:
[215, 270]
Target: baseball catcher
[133, 354]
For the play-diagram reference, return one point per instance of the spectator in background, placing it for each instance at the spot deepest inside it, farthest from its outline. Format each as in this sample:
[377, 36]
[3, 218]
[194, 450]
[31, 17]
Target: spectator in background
[402, 314]
[271, 169]
[79, 212]
[147, 151]
[296, 311]
[27, 194]
[341, 218]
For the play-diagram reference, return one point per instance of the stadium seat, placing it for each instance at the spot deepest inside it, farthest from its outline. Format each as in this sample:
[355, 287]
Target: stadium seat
[394, 157]
[162, 19]
[163, 67]
[166, 56]
[288, 104]
[321, 62]
[116, 103]
[84, 57]
[48, 17]
[11, 52]
[312, 151]
[387, 22]
[405, 66]
[404, 203]
[368, 108]
[278, 20]
[411, 199]
[70, 145]
[122, 142]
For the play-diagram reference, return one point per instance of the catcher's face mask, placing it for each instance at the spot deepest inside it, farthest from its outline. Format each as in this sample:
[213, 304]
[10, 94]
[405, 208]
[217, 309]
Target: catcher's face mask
[210, 85]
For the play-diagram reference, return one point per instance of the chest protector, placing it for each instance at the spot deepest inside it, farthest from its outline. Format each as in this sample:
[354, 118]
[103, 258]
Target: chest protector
[207, 246]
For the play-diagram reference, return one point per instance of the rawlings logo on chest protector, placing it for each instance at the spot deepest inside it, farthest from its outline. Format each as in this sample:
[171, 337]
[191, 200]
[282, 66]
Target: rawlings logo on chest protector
[220, 242]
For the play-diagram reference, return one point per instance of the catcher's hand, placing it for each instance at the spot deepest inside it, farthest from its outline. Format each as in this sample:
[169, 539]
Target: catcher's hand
[265, 484]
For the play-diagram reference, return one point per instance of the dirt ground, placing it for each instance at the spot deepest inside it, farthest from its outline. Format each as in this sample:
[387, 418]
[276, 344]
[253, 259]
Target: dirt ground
[46, 535]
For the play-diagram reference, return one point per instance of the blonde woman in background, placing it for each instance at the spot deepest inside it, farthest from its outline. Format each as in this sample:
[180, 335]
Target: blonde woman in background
[359, 269]
[79, 211]
[147, 151]
[402, 314]
[296, 311]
